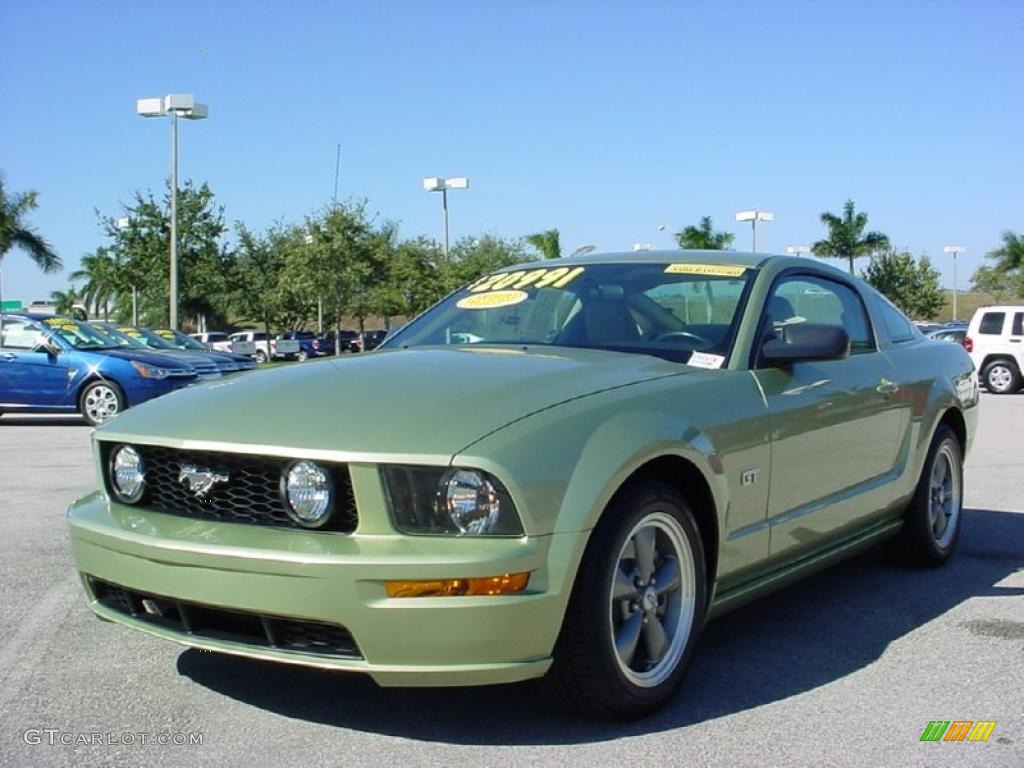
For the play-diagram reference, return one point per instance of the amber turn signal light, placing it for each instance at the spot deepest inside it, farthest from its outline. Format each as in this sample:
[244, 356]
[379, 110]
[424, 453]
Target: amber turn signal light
[505, 584]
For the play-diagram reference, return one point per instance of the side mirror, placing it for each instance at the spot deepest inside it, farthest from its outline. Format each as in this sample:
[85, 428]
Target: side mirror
[807, 341]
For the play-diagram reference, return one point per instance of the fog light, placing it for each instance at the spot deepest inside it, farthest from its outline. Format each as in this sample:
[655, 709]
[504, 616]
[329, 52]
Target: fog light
[308, 493]
[505, 584]
[127, 474]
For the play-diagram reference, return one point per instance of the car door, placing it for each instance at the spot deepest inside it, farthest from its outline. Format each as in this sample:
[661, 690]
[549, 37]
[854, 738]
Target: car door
[835, 424]
[30, 374]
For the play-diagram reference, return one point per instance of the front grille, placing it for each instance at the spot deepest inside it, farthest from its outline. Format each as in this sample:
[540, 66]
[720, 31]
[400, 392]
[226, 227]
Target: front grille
[234, 626]
[252, 493]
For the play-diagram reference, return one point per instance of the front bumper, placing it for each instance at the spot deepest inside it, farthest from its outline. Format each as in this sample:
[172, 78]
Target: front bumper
[336, 579]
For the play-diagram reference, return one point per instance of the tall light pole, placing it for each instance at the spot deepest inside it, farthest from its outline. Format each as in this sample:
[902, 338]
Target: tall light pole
[797, 250]
[954, 249]
[438, 184]
[124, 223]
[173, 105]
[754, 216]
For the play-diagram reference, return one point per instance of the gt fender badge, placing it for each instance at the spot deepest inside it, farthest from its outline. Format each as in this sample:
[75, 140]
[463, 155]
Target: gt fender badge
[200, 480]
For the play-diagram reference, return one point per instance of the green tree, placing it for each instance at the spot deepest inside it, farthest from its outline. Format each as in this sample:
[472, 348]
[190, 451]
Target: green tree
[256, 274]
[413, 279]
[1000, 285]
[15, 232]
[1004, 279]
[846, 236]
[473, 257]
[99, 272]
[703, 237]
[546, 243]
[912, 285]
[141, 253]
[64, 303]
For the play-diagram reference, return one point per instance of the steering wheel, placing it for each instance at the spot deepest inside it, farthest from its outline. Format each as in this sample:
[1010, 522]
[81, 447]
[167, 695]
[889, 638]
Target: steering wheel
[669, 335]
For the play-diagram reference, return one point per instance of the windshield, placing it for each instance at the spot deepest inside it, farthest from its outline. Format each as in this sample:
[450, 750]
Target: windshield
[78, 335]
[180, 340]
[681, 312]
[117, 338]
[147, 337]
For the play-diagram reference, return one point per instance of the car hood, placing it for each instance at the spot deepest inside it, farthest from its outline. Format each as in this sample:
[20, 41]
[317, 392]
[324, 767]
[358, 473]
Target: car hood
[158, 359]
[413, 405]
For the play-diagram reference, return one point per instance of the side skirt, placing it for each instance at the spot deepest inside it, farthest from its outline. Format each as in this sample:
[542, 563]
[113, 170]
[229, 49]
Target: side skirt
[724, 602]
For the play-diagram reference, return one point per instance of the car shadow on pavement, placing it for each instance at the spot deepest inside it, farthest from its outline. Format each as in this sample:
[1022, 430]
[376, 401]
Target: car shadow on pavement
[805, 636]
[13, 420]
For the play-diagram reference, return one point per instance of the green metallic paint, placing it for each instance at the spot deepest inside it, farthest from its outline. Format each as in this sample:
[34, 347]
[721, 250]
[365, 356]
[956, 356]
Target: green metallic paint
[803, 465]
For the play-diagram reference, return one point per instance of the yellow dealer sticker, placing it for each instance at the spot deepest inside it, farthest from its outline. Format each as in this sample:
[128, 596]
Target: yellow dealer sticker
[543, 277]
[492, 300]
[711, 270]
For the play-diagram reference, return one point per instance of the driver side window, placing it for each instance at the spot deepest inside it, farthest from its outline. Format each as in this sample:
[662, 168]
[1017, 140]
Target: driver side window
[806, 299]
[19, 334]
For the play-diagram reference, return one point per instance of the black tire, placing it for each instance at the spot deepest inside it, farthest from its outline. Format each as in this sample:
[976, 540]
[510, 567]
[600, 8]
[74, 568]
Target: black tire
[588, 672]
[1001, 377]
[930, 529]
[261, 357]
[100, 401]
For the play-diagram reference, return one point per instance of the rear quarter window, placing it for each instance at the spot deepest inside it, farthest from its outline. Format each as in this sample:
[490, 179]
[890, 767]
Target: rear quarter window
[1018, 324]
[992, 323]
[896, 323]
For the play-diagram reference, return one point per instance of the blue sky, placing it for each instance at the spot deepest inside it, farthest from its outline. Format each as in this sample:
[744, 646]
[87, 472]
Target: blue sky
[602, 119]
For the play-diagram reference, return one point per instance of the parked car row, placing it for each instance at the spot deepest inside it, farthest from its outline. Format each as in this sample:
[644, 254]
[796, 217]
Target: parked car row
[289, 345]
[54, 364]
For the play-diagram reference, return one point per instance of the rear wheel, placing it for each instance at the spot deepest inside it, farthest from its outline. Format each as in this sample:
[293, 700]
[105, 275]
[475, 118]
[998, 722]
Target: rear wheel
[261, 356]
[636, 609]
[1001, 377]
[932, 520]
[101, 401]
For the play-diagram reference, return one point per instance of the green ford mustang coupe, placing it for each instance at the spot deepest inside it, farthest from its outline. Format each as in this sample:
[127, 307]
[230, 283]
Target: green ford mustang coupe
[560, 471]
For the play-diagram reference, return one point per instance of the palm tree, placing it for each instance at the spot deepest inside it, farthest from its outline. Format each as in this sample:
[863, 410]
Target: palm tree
[847, 238]
[99, 271]
[15, 232]
[64, 301]
[1010, 255]
[703, 237]
[546, 243]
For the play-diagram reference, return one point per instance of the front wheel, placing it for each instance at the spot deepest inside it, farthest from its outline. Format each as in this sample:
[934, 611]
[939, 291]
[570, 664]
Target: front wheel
[303, 356]
[1001, 377]
[636, 609]
[261, 356]
[931, 525]
[101, 401]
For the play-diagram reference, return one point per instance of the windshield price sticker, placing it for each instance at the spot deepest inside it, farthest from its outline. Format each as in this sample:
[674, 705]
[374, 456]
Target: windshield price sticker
[710, 270]
[492, 300]
[165, 334]
[705, 360]
[557, 277]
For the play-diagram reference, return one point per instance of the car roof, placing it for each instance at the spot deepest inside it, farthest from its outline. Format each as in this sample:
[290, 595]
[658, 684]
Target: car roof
[738, 258]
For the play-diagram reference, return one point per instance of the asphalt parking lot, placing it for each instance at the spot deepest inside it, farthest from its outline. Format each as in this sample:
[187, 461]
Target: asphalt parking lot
[846, 668]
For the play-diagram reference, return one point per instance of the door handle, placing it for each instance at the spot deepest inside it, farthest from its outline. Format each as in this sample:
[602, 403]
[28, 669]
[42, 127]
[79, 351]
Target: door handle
[886, 387]
[7, 356]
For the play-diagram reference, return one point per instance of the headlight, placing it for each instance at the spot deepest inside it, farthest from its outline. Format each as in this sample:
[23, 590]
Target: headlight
[443, 501]
[308, 493]
[127, 474]
[149, 371]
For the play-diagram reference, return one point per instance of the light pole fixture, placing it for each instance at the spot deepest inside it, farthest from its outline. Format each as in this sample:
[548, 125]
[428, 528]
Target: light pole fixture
[754, 216]
[438, 184]
[797, 250]
[173, 105]
[955, 250]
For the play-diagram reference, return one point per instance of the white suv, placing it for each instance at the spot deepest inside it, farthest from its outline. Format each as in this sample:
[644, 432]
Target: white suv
[995, 339]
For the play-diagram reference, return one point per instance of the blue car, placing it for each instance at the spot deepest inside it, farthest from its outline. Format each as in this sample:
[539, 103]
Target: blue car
[58, 365]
